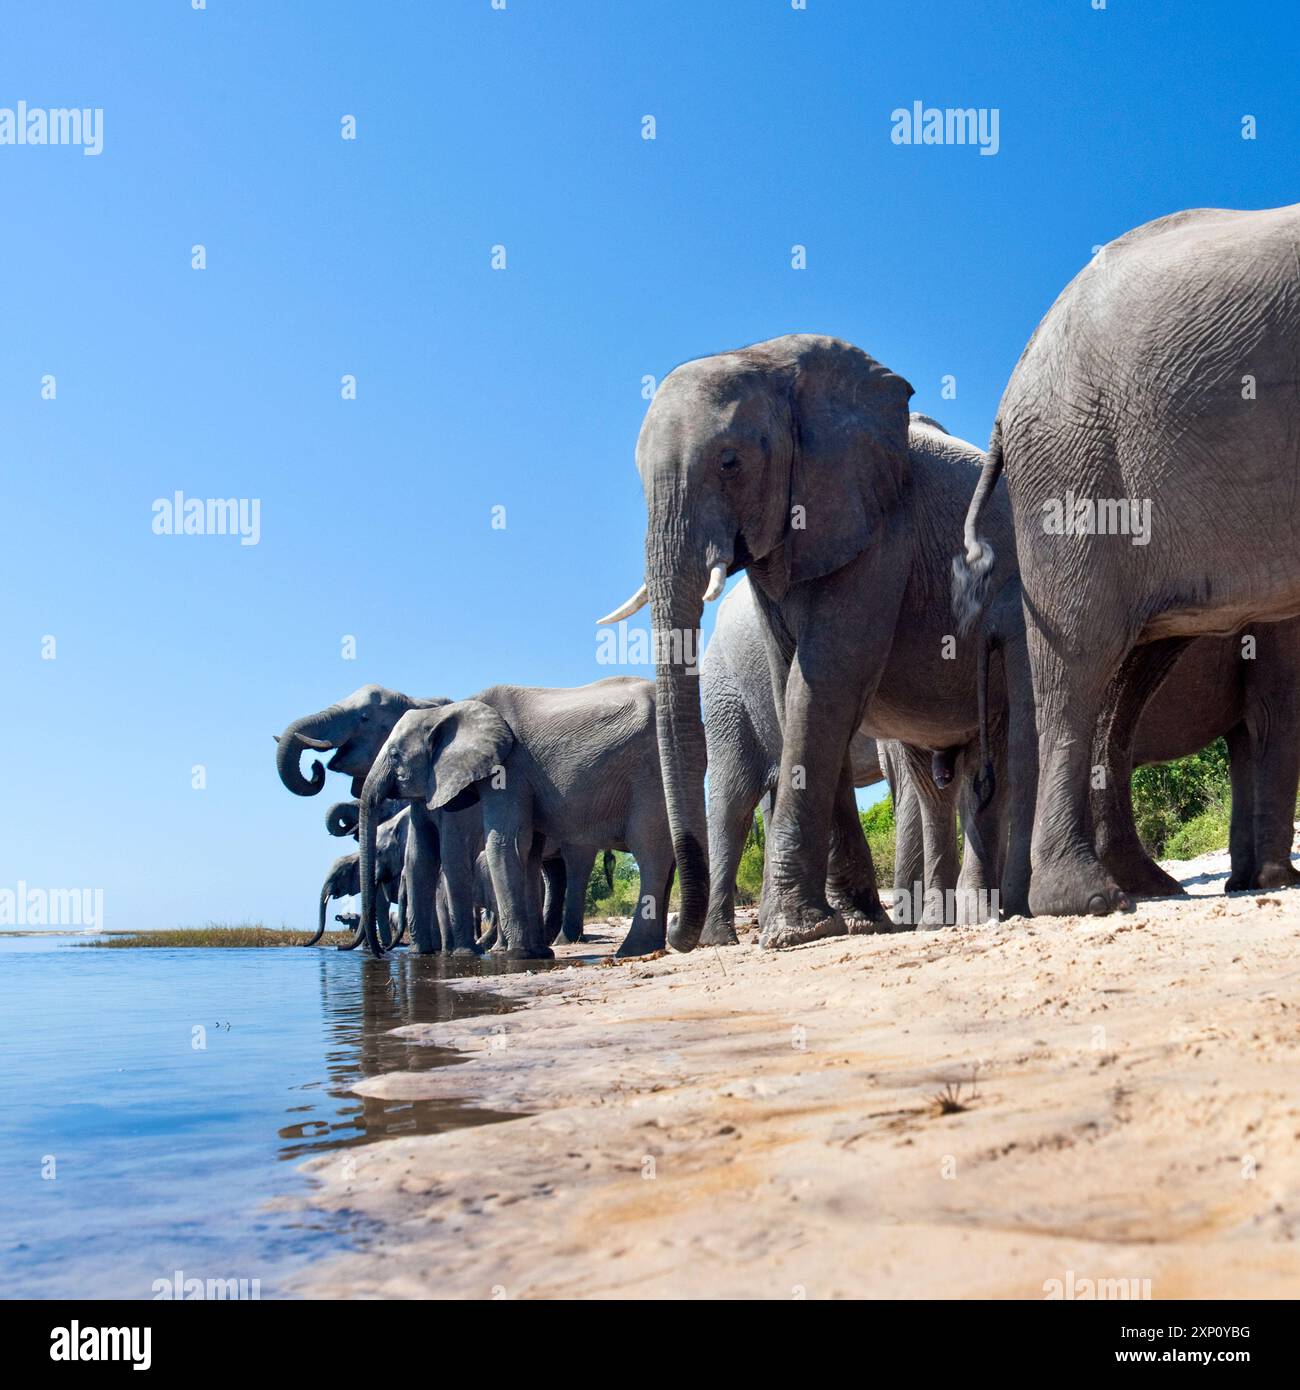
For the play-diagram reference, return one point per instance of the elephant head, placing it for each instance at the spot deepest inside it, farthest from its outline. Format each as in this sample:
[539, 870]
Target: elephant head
[782, 458]
[436, 756]
[342, 881]
[357, 727]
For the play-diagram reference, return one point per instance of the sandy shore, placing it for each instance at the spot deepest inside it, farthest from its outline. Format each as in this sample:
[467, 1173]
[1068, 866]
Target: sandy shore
[974, 1111]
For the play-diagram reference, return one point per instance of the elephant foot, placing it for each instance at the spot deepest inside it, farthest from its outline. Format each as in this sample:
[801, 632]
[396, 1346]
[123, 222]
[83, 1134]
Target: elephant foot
[1076, 890]
[466, 952]
[641, 940]
[526, 953]
[719, 931]
[574, 940]
[862, 911]
[1276, 874]
[797, 926]
[1142, 877]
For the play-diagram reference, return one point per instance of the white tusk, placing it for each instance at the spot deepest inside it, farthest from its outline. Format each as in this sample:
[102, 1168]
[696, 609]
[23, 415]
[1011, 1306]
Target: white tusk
[633, 605]
[717, 581]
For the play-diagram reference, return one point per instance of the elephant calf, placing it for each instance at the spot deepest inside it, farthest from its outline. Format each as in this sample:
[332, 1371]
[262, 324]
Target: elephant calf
[578, 766]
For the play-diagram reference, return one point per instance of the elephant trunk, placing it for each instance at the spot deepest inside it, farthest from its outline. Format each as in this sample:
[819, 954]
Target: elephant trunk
[676, 604]
[303, 734]
[371, 794]
[342, 818]
[325, 895]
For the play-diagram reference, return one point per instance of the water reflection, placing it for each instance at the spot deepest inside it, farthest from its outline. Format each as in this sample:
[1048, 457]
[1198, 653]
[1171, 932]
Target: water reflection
[359, 1008]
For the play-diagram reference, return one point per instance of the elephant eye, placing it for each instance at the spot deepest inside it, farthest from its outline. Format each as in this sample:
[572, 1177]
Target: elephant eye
[728, 460]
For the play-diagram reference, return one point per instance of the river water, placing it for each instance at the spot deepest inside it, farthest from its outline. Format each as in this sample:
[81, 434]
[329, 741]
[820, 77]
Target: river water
[157, 1102]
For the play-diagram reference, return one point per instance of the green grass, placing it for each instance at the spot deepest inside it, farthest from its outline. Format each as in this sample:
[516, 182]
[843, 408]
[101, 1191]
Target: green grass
[217, 934]
[1200, 835]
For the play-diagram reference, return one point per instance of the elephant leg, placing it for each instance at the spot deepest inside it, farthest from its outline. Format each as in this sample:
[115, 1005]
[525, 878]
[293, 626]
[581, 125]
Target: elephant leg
[851, 875]
[1274, 725]
[1241, 828]
[459, 832]
[1021, 774]
[1070, 696]
[578, 864]
[983, 828]
[420, 869]
[909, 839]
[739, 768]
[507, 821]
[837, 664]
[939, 837]
[730, 816]
[400, 938]
[649, 930]
[1115, 829]
[555, 881]
[383, 924]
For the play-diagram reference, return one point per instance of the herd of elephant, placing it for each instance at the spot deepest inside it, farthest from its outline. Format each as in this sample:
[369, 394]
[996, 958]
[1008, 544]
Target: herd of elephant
[1015, 685]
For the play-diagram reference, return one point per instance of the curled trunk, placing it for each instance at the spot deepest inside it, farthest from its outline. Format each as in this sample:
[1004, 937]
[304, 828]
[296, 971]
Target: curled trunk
[310, 732]
[343, 818]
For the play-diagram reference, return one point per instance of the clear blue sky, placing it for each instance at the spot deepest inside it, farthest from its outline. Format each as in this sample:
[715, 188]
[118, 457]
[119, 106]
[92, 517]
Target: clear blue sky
[476, 387]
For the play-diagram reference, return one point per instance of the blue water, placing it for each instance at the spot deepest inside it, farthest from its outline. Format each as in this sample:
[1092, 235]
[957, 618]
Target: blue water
[128, 1153]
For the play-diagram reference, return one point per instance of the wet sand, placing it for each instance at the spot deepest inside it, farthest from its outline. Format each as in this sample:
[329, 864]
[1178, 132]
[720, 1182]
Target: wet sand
[969, 1112]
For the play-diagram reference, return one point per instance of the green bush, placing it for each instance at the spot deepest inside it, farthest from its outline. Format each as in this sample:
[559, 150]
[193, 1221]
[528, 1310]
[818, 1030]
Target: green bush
[1169, 797]
[878, 827]
[620, 901]
[749, 874]
[1200, 835]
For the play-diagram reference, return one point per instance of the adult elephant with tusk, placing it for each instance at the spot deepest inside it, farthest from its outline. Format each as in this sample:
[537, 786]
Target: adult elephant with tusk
[578, 767]
[790, 459]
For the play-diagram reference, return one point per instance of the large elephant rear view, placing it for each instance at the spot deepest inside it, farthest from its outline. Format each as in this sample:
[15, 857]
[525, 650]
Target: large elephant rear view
[1150, 438]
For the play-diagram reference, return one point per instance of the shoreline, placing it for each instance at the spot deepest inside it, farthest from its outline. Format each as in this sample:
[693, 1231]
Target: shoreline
[965, 1112]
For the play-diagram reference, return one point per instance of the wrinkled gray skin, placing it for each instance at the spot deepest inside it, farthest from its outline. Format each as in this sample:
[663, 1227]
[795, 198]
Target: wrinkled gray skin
[1135, 385]
[1242, 688]
[344, 877]
[790, 459]
[743, 736]
[576, 766]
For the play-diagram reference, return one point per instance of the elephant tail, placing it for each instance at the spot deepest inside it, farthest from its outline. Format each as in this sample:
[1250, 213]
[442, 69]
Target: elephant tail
[971, 570]
[609, 860]
[986, 781]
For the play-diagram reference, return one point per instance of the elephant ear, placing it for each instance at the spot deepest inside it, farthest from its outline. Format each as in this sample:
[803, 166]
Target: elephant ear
[850, 455]
[466, 744]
